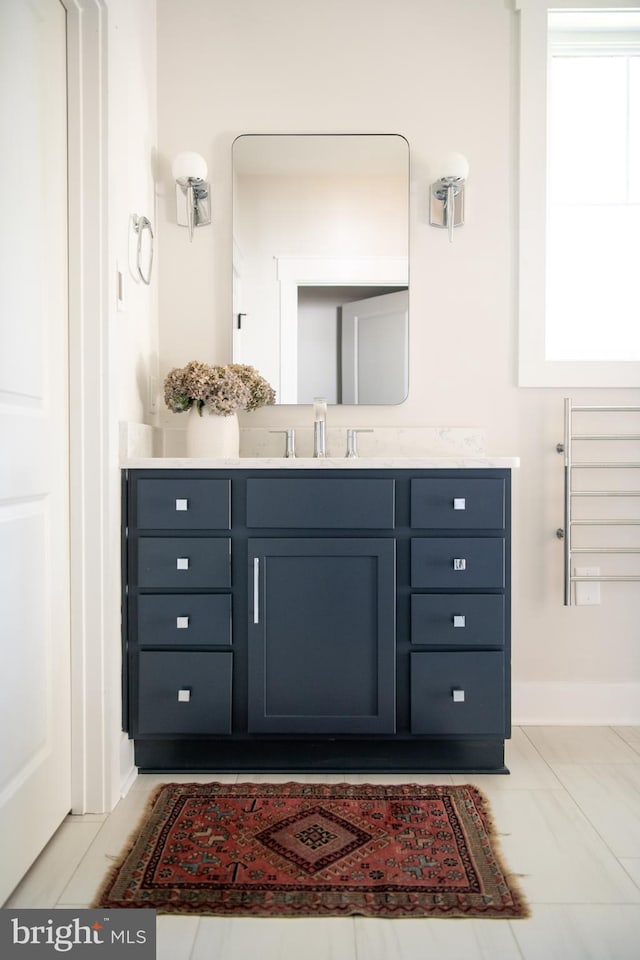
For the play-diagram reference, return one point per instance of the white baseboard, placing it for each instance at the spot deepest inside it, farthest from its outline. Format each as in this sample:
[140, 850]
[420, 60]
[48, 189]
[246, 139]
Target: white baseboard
[128, 770]
[128, 781]
[564, 703]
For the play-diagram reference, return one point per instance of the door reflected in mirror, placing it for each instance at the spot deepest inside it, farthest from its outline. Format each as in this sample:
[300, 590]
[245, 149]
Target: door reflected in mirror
[320, 265]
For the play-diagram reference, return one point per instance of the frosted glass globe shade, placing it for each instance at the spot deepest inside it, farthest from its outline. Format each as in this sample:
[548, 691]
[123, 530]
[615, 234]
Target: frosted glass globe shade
[453, 165]
[189, 166]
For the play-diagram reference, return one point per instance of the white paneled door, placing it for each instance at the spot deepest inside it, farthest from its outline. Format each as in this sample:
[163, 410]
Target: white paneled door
[35, 729]
[375, 349]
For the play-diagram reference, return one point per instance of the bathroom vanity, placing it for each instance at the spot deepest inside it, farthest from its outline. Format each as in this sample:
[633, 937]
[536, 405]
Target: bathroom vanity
[332, 615]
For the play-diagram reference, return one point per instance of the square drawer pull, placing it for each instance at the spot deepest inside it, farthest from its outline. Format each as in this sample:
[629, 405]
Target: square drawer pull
[182, 504]
[458, 695]
[182, 563]
[184, 695]
[182, 623]
[459, 503]
[459, 564]
[459, 620]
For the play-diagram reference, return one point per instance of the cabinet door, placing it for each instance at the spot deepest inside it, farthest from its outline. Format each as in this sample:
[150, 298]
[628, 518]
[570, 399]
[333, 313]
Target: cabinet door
[322, 636]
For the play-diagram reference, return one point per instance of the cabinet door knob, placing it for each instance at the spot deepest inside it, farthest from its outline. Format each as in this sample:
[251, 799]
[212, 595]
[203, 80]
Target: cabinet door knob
[182, 504]
[182, 623]
[184, 695]
[459, 620]
[459, 503]
[459, 563]
[458, 695]
[182, 563]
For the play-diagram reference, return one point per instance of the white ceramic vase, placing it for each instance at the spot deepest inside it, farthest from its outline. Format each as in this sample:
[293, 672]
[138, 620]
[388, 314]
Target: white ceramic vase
[213, 436]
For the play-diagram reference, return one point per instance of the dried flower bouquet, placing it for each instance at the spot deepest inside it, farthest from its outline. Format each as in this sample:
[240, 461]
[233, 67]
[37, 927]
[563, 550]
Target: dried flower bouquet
[222, 389]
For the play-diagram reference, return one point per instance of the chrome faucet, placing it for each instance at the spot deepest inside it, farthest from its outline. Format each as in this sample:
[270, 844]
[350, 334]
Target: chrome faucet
[290, 448]
[352, 440]
[319, 427]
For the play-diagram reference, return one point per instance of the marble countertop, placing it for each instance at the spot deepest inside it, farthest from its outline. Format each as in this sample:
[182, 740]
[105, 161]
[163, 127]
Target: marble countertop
[326, 463]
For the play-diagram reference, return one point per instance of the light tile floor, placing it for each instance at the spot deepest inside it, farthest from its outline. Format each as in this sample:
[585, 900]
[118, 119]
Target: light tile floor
[569, 824]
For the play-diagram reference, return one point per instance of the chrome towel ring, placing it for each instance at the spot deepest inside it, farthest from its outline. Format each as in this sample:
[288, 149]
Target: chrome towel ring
[140, 225]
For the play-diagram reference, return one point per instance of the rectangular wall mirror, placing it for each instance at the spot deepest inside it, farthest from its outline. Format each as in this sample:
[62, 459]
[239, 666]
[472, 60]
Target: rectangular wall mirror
[321, 265]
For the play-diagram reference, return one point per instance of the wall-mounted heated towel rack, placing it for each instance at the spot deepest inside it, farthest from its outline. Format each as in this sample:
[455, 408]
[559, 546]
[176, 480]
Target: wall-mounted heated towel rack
[607, 492]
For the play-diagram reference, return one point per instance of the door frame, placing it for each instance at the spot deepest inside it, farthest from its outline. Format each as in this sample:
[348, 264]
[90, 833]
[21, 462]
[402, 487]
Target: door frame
[93, 453]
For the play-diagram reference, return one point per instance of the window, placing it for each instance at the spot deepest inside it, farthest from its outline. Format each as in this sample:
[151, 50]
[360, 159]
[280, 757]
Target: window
[580, 195]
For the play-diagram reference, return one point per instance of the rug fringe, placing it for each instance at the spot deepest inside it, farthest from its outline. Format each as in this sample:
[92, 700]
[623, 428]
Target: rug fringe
[119, 859]
[495, 836]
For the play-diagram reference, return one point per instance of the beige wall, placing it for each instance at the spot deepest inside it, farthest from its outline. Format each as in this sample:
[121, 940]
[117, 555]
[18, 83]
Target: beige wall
[132, 156]
[443, 74]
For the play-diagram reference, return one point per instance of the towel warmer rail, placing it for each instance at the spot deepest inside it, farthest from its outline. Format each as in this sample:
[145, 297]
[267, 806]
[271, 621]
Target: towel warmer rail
[571, 492]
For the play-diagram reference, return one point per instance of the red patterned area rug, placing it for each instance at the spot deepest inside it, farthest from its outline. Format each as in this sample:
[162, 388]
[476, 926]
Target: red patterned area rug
[315, 850]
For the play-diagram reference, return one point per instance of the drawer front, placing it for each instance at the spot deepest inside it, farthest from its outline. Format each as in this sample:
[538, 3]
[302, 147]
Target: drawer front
[458, 563]
[457, 620]
[458, 504]
[321, 503]
[184, 693]
[459, 694]
[182, 504]
[184, 619]
[184, 562]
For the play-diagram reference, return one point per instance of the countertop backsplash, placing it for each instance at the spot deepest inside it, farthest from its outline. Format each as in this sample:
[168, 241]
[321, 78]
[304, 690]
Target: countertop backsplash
[381, 442]
[139, 440]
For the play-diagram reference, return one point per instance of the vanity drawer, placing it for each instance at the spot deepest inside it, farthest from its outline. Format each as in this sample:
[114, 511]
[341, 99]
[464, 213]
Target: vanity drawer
[458, 504]
[458, 563]
[184, 693]
[361, 503]
[182, 504]
[458, 694]
[184, 619]
[184, 562]
[457, 619]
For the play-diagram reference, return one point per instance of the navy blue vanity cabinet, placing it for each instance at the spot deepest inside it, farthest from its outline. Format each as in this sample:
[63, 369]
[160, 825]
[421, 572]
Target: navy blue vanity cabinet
[329, 619]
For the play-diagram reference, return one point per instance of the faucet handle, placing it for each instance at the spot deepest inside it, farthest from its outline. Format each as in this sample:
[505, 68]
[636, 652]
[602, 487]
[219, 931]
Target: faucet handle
[290, 450]
[352, 440]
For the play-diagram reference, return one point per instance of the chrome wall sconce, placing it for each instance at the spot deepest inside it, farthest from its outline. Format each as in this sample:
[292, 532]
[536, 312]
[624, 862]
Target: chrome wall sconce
[446, 206]
[193, 202]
